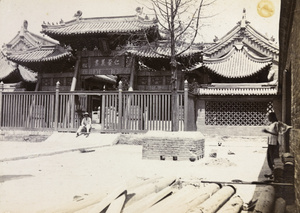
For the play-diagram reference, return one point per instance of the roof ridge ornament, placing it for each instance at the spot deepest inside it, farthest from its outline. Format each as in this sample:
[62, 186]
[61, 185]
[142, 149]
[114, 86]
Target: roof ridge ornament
[25, 24]
[78, 14]
[239, 46]
[243, 21]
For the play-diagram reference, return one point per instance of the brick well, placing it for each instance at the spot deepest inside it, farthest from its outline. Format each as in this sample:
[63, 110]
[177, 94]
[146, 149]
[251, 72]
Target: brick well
[177, 146]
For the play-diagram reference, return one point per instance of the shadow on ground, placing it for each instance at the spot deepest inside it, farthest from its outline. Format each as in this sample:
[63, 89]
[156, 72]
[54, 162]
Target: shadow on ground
[4, 178]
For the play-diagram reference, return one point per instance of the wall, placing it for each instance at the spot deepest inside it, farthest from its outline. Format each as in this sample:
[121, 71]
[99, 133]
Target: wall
[289, 34]
[229, 130]
[294, 59]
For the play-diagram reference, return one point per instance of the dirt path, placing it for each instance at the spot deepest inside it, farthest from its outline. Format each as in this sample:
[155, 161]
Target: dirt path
[62, 180]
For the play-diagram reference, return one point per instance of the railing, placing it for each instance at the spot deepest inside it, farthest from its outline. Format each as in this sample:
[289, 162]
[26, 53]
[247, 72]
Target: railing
[29, 110]
[115, 111]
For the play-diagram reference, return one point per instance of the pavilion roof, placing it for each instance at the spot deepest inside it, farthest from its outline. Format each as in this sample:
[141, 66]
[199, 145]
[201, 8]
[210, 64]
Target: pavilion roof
[245, 33]
[238, 63]
[41, 54]
[25, 39]
[84, 26]
[27, 74]
[13, 72]
[6, 67]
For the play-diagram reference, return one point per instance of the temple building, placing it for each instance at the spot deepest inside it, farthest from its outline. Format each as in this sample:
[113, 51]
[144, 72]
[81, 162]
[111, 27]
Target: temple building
[237, 81]
[97, 53]
[99, 45]
[234, 80]
[16, 77]
[33, 53]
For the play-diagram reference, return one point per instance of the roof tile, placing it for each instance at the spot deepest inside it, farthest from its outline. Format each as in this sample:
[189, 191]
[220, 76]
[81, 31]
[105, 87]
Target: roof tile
[238, 63]
[99, 25]
[160, 51]
[40, 54]
[237, 91]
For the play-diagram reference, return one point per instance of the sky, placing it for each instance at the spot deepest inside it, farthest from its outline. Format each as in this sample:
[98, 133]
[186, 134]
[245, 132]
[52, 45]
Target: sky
[224, 15]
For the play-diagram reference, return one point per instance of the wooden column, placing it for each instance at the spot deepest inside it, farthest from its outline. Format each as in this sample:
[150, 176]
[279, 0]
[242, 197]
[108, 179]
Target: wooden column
[131, 80]
[186, 104]
[74, 80]
[56, 106]
[120, 108]
[1, 93]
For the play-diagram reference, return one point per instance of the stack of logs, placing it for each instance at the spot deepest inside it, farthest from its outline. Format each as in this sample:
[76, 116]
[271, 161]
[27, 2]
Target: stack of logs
[275, 198]
[168, 195]
[158, 194]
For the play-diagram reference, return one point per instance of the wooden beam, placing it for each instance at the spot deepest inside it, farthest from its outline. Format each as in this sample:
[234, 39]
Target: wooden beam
[234, 205]
[216, 201]
[265, 200]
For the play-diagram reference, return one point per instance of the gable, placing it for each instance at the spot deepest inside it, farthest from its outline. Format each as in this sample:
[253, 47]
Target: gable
[244, 34]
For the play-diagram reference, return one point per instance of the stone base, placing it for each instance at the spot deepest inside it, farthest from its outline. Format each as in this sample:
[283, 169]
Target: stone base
[175, 146]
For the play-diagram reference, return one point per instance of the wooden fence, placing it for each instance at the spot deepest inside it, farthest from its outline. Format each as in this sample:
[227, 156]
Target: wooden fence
[111, 111]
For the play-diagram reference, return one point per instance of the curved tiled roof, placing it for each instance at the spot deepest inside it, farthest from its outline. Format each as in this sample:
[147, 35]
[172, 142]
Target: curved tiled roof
[98, 25]
[26, 40]
[238, 63]
[9, 68]
[6, 67]
[161, 51]
[41, 54]
[241, 30]
[224, 41]
[27, 74]
[237, 91]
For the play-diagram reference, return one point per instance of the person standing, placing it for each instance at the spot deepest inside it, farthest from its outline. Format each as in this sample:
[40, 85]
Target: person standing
[86, 123]
[273, 145]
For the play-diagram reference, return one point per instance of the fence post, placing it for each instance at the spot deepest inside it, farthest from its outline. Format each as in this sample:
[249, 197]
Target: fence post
[56, 106]
[186, 104]
[1, 90]
[120, 107]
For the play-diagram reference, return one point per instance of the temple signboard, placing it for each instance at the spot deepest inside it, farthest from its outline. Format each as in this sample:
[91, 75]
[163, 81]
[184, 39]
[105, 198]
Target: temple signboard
[100, 65]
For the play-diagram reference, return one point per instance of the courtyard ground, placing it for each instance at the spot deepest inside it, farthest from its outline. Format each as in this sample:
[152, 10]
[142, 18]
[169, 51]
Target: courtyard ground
[59, 182]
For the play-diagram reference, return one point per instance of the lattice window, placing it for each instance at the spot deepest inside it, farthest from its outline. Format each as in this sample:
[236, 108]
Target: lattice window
[235, 113]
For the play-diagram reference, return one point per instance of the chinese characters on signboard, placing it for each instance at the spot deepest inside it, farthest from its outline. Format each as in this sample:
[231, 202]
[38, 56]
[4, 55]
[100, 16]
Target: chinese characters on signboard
[102, 62]
[99, 65]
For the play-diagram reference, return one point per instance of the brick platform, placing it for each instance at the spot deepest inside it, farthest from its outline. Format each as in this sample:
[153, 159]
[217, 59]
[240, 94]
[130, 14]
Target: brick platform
[173, 145]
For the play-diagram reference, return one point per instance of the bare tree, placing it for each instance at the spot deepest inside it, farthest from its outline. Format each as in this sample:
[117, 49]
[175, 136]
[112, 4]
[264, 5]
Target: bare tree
[179, 21]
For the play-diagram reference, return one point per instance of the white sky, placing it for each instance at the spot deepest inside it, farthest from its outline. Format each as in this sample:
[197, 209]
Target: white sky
[227, 14]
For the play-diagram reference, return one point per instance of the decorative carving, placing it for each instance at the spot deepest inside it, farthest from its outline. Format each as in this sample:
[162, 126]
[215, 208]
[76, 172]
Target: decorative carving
[69, 81]
[46, 81]
[60, 80]
[156, 80]
[142, 80]
[236, 113]
[84, 63]
[78, 14]
[193, 86]
[168, 80]
[125, 82]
